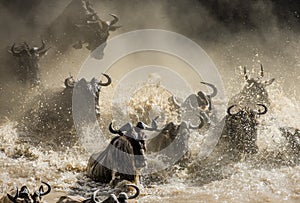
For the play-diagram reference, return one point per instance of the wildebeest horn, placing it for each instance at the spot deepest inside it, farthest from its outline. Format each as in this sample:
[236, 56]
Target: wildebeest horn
[265, 109]
[198, 126]
[261, 70]
[229, 110]
[42, 47]
[269, 82]
[108, 80]
[245, 74]
[136, 189]
[176, 103]
[114, 21]
[41, 190]
[215, 91]
[95, 199]
[13, 199]
[13, 51]
[113, 131]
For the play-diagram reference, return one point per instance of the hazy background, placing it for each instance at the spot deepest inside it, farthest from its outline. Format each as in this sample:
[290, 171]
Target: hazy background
[233, 33]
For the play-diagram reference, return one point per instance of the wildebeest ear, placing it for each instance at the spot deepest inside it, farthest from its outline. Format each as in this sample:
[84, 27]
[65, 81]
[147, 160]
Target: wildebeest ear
[41, 189]
[269, 82]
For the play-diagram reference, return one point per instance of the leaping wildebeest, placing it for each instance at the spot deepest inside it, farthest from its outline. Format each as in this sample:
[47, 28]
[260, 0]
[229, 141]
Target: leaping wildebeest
[24, 196]
[254, 92]
[28, 58]
[124, 156]
[80, 25]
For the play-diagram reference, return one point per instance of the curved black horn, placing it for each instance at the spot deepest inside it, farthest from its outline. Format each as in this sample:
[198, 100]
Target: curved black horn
[13, 199]
[42, 47]
[137, 189]
[229, 110]
[215, 91]
[41, 191]
[113, 131]
[114, 21]
[175, 102]
[95, 199]
[198, 126]
[245, 74]
[261, 70]
[265, 109]
[13, 51]
[108, 80]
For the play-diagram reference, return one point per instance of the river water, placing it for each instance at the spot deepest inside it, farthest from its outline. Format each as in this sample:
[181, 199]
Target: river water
[272, 175]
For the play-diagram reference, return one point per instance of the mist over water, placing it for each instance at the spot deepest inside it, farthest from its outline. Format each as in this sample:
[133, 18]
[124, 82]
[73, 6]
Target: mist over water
[233, 33]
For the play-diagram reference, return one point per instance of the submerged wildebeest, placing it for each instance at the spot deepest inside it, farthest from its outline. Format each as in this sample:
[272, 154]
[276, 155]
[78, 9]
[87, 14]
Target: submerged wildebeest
[112, 198]
[293, 137]
[28, 68]
[79, 24]
[239, 133]
[254, 92]
[233, 138]
[123, 158]
[199, 103]
[24, 196]
[177, 135]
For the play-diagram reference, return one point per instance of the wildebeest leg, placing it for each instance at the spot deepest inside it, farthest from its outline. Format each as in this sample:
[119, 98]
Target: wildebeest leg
[137, 177]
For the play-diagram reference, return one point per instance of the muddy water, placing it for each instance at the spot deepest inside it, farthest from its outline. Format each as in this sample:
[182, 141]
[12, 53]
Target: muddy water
[272, 175]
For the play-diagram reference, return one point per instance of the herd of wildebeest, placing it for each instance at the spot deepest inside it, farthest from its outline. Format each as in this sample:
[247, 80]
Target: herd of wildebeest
[125, 156]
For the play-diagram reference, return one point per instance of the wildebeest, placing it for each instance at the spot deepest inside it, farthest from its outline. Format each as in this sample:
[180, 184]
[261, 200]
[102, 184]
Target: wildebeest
[123, 157]
[199, 100]
[199, 103]
[24, 196]
[53, 111]
[240, 131]
[86, 89]
[172, 133]
[293, 137]
[254, 92]
[28, 58]
[79, 24]
[112, 198]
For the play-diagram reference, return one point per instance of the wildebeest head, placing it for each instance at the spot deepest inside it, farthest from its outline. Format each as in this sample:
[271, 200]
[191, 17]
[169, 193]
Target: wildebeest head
[199, 100]
[96, 31]
[24, 196]
[255, 90]
[241, 128]
[28, 69]
[136, 138]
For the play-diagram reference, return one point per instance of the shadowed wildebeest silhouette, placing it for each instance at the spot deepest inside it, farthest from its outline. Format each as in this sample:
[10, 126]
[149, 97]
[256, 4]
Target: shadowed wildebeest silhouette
[27, 70]
[79, 25]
